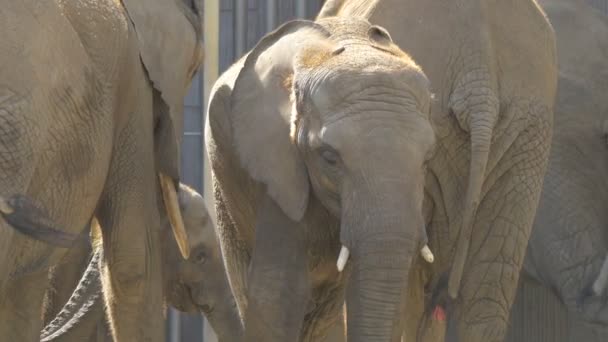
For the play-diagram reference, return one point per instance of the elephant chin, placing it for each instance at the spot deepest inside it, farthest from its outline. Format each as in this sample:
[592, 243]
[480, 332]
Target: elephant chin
[174, 214]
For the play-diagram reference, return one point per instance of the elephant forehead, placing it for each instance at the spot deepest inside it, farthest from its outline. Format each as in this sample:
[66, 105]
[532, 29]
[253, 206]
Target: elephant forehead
[345, 27]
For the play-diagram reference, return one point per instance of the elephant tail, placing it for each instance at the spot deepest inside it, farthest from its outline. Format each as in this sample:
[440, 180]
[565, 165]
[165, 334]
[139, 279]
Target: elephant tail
[21, 213]
[85, 301]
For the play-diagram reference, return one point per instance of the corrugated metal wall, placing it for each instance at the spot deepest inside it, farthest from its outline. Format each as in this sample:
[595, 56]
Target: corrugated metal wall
[601, 5]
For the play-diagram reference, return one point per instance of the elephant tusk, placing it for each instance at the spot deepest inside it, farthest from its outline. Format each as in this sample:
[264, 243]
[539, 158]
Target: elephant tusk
[342, 258]
[174, 214]
[427, 255]
[5, 208]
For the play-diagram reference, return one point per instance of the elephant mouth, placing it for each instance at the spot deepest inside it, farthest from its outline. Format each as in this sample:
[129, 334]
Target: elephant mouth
[201, 307]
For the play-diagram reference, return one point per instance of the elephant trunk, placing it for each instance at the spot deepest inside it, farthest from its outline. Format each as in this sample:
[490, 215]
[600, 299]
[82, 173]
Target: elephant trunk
[481, 140]
[226, 322]
[383, 235]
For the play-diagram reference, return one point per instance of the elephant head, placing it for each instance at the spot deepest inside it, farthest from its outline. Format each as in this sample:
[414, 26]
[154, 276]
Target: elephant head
[169, 34]
[334, 111]
[200, 284]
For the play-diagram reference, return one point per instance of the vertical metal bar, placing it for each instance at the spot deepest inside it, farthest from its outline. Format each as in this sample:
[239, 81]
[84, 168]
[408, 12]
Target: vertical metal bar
[301, 8]
[240, 28]
[174, 326]
[209, 76]
[271, 15]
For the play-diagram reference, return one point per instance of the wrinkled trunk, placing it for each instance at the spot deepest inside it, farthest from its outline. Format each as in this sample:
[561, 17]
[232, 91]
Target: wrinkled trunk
[226, 322]
[383, 235]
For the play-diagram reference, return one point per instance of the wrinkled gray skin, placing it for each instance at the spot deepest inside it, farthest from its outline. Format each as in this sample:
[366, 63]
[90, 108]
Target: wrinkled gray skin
[492, 67]
[91, 100]
[569, 241]
[196, 285]
[321, 138]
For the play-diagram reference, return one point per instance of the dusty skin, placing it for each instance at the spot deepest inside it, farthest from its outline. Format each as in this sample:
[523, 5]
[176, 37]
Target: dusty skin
[91, 96]
[492, 68]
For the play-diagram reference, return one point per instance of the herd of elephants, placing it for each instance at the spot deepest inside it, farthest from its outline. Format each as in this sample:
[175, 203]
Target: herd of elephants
[394, 166]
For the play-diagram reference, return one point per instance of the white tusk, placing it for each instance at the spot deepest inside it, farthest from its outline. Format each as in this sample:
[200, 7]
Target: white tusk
[174, 214]
[342, 258]
[427, 255]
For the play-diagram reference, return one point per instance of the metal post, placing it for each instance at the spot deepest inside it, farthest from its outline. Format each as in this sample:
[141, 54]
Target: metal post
[174, 326]
[301, 8]
[240, 28]
[210, 75]
[271, 15]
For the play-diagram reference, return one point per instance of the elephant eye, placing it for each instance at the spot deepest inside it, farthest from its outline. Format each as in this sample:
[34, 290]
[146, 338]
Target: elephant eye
[200, 257]
[329, 155]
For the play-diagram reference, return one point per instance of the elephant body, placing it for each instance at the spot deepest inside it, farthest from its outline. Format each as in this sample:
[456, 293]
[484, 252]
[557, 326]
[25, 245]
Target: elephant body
[569, 240]
[315, 164]
[492, 69]
[87, 129]
[196, 285]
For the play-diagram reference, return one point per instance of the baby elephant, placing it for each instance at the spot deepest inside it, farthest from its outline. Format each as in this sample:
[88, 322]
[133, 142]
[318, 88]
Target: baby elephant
[198, 284]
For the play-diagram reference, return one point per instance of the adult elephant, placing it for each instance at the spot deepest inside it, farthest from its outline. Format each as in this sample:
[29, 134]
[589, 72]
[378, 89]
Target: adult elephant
[569, 240]
[196, 285]
[91, 118]
[318, 139]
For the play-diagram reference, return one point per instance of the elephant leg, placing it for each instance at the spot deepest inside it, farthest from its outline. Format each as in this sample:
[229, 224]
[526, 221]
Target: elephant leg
[502, 228]
[20, 318]
[128, 214]
[279, 288]
[567, 248]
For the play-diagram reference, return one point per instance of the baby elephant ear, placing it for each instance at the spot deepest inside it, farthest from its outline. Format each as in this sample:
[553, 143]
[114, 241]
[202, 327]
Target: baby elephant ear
[261, 108]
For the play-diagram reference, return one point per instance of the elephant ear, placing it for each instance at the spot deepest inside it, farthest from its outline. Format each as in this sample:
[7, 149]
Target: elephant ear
[261, 112]
[169, 38]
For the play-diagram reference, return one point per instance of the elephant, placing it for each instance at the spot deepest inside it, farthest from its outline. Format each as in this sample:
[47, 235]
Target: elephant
[196, 285]
[91, 115]
[493, 70]
[337, 174]
[565, 259]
